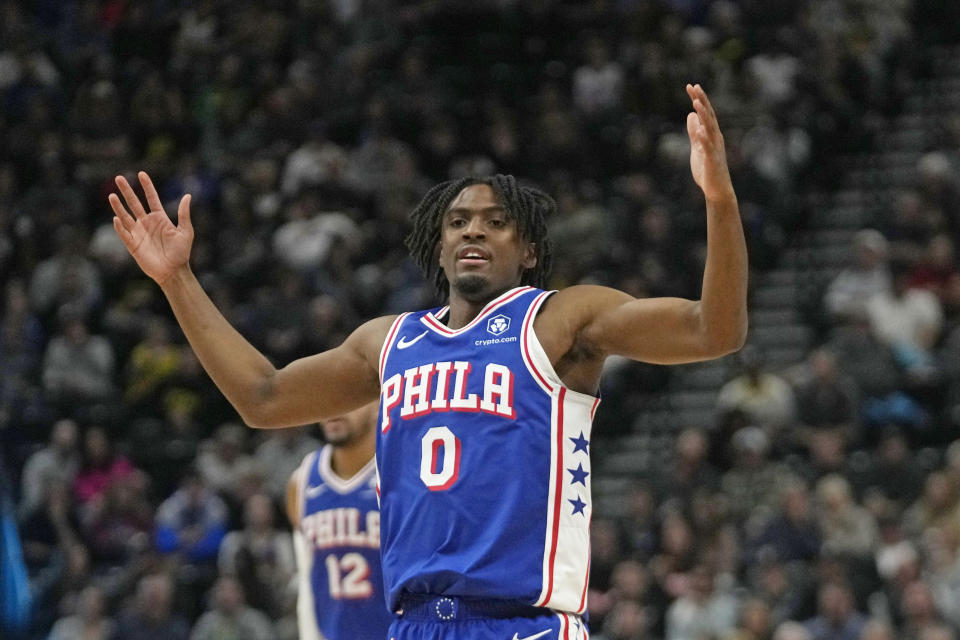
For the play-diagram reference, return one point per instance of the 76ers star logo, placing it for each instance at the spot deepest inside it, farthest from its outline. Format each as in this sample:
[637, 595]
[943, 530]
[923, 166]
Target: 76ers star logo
[498, 324]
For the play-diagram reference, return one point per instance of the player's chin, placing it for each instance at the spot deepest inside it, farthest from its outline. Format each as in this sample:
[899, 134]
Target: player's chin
[471, 285]
[337, 438]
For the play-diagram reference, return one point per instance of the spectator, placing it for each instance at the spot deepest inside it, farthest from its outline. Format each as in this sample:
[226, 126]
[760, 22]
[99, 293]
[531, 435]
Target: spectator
[847, 527]
[153, 363]
[67, 278]
[908, 320]
[118, 526]
[229, 618]
[89, 622]
[754, 622]
[597, 84]
[937, 266]
[101, 467]
[862, 357]
[876, 630]
[59, 461]
[850, 291]
[836, 617]
[792, 534]
[918, 610]
[763, 397]
[78, 367]
[704, 610]
[21, 339]
[791, 630]
[782, 586]
[828, 398]
[222, 460]
[895, 471]
[49, 530]
[193, 521]
[150, 616]
[754, 482]
[317, 162]
[938, 506]
[280, 453]
[688, 470]
[260, 557]
[628, 621]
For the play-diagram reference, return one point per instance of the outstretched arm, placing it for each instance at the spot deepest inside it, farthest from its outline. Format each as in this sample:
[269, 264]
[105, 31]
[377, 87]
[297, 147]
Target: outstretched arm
[675, 330]
[307, 390]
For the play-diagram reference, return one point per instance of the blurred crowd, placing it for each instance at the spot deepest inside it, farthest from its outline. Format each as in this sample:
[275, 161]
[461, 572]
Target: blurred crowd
[823, 504]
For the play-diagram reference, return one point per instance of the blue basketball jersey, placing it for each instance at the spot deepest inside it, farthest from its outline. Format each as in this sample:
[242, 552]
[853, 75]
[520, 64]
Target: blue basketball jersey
[341, 584]
[483, 461]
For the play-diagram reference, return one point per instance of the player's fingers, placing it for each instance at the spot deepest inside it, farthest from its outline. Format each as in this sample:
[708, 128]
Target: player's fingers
[133, 202]
[183, 215]
[712, 114]
[120, 212]
[125, 235]
[710, 131]
[693, 124]
[153, 199]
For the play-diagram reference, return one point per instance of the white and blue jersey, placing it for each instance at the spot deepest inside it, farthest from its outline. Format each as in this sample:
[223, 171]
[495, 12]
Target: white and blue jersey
[338, 553]
[483, 462]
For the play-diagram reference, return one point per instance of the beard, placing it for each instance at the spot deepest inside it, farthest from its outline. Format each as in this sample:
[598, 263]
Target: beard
[471, 287]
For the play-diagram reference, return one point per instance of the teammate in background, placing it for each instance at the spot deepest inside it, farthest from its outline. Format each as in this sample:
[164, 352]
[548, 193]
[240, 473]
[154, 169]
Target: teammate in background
[486, 404]
[332, 506]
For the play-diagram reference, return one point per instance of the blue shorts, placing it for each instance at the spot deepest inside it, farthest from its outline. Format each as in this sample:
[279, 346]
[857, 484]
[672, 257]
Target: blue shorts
[451, 618]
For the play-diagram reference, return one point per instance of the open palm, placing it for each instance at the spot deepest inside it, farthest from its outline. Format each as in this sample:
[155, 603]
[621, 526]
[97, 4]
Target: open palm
[158, 246]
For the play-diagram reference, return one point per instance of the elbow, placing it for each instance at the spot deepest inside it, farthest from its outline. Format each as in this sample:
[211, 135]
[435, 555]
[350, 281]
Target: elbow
[723, 343]
[254, 419]
[256, 408]
[258, 415]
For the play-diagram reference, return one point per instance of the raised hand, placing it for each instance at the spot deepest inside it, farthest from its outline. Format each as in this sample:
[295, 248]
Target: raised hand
[158, 246]
[708, 156]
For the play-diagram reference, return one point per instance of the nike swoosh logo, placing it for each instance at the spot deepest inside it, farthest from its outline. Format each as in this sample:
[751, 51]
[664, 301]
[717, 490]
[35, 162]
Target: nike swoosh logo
[403, 344]
[313, 492]
[536, 635]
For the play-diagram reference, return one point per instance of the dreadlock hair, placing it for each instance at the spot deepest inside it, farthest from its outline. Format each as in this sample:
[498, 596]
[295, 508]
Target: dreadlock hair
[527, 206]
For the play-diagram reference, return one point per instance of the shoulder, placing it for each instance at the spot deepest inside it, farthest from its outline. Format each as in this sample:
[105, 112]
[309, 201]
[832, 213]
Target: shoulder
[369, 337]
[568, 312]
[585, 298]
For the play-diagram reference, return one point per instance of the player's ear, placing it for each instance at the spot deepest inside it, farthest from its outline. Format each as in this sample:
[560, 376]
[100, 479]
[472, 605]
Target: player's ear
[529, 257]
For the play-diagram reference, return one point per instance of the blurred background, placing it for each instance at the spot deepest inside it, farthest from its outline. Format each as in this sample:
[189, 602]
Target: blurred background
[807, 488]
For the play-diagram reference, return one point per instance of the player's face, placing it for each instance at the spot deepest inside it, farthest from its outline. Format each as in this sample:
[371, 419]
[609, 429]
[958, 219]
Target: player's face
[345, 429]
[481, 250]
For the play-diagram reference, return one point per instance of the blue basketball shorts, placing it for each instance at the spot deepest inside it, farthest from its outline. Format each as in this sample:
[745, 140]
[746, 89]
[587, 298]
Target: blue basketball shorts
[451, 618]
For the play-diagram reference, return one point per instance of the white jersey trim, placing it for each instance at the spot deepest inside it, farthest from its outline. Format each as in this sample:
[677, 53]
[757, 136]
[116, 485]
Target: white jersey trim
[432, 322]
[388, 342]
[566, 546]
[303, 471]
[335, 482]
[536, 358]
[306, 617]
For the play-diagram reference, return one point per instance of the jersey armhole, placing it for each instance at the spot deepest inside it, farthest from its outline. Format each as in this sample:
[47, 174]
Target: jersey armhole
[388, 342]
[537, 361]
[303, 472]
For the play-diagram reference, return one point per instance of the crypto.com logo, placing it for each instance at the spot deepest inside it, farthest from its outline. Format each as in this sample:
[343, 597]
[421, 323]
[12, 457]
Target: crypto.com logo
[497, 325]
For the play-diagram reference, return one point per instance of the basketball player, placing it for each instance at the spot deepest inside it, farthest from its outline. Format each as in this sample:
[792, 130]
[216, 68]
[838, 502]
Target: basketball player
[483, 439]
[332, 506]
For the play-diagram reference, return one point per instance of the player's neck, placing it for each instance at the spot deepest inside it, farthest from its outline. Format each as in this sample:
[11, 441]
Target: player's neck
[464, 310]
[347, 460]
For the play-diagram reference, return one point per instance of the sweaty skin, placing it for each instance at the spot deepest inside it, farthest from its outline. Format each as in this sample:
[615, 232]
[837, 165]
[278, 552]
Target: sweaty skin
[482, 255]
